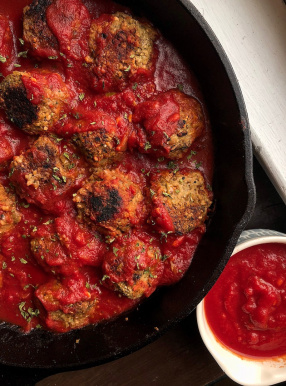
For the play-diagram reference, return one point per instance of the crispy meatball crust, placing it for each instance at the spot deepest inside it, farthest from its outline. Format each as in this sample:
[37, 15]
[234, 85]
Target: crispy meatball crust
[121, 46]
[99, 147]
[36, 31]
[133, 266]
[180, 200]
[111, 202]
[44, 174]
[9, 215]
[33, 101]
[168, 124]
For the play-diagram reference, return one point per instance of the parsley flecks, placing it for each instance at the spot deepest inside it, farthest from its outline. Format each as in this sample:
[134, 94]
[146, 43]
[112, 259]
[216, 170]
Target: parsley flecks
[172, 165]
[52, 57]
[81, 96]
[152, 193]
[192, 152]
[147, 146]
[164, 257]
[166, 194]
[115, 250]
[128, 68]
[180, 87]
[28, 314]
[165, 235]
[23, 261]
[57, 178]
[23, 54]
[3, 59]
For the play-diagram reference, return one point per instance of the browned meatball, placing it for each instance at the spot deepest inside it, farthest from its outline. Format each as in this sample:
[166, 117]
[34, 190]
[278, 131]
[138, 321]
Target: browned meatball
[122, 47]
[47, 172]
[111, 202]
[9, 215]
[99, 147]
[133, 266]
[36, 31]
[180, 200]
[168, 124]
[68, 305]
[33, 101]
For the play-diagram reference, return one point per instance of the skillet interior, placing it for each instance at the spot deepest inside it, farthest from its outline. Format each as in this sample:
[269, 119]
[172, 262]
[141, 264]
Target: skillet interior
[234, 194]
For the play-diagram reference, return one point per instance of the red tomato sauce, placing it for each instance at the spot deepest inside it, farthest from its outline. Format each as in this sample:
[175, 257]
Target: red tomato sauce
[76, 254]
[246, 308]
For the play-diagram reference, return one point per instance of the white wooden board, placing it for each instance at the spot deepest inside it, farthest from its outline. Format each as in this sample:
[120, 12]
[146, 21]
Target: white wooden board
[253, 34]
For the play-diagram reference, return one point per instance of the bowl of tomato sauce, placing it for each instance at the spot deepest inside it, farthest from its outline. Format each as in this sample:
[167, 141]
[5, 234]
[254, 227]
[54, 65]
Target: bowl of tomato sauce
[242, 320]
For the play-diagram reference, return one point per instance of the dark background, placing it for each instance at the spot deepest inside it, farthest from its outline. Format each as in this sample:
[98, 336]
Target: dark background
[177, 358]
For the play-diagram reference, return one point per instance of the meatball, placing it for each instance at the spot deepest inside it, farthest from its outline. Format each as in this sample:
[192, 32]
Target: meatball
[36, 31]
[9, 215]
[47, 173]
[99, 147]
[122, 47]
[168, 124]
[33, 101]
[63, 246]
[180, 200]
[67, 305]
[50, 254]
[111, 202]
[134, 265]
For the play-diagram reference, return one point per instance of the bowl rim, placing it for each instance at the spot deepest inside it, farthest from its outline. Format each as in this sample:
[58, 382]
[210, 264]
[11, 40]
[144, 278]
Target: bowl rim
[242, 369]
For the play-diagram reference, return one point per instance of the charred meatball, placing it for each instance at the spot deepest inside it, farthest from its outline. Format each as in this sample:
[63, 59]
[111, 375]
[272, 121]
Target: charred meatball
[99, 147]
[9, 215]
[58, 30]
[168, 124]
[111, 202]
[33, 101]
[36, 31]
[47, 173]
[133, 266]
[67, 305]
[180, 200]
[122, 47]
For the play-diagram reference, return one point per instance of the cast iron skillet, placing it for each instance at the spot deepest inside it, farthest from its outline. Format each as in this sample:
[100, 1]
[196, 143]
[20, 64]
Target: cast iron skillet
[234, 194]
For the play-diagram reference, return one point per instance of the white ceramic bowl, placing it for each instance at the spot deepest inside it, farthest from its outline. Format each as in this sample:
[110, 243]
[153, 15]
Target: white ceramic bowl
[245, 371]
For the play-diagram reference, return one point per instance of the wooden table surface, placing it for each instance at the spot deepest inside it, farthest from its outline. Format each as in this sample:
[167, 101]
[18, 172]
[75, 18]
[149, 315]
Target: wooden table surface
[177, 358]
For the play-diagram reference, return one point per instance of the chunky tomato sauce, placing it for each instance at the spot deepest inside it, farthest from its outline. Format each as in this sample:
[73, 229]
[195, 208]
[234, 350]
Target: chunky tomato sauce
[246, 308]
[72, 266]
